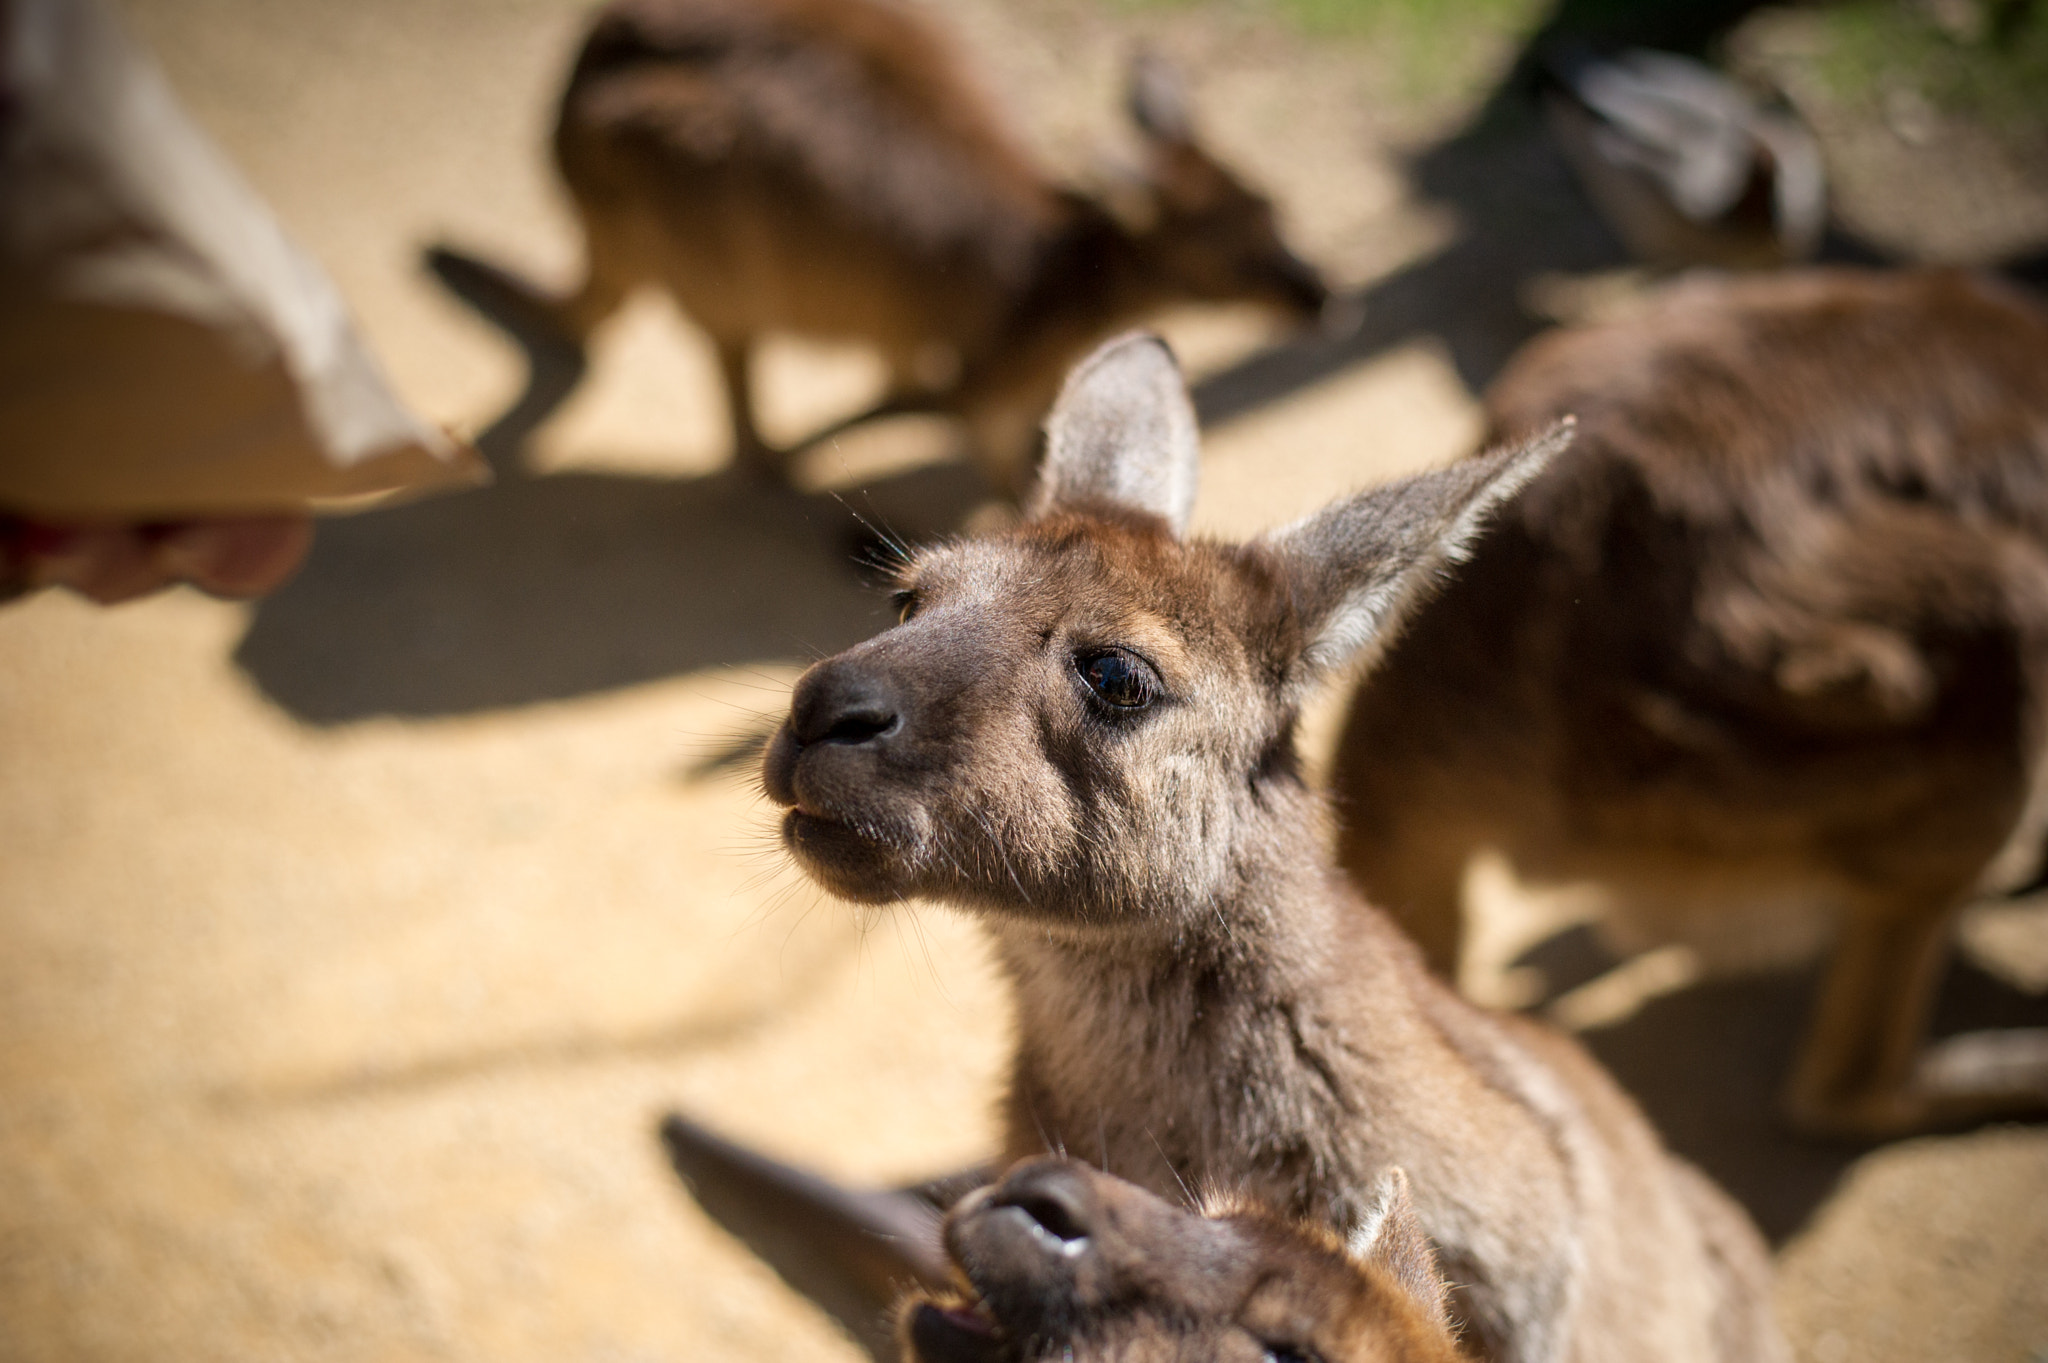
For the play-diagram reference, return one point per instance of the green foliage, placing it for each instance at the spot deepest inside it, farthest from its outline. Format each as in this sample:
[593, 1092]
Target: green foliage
[1438, 21]
[1965, 67]
[1980, 59]
[1437, 47]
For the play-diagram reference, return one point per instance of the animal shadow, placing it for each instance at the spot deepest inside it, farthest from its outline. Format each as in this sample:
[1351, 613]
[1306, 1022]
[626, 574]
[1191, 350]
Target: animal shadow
[1708, 1064]
[544, 588]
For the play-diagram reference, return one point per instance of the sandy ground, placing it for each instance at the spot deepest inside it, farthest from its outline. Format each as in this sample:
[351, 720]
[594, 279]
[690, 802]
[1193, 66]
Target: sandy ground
[354, 942]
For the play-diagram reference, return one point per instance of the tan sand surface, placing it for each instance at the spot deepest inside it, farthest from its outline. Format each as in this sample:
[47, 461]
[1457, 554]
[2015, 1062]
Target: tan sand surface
[350, 945]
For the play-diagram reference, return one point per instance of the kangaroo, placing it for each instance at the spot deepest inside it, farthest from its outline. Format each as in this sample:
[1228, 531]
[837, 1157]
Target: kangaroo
[1082, 732]
[832, 168]
[1681, 162]
[1772, 635]
[1062, 1262]
[1057, 1259]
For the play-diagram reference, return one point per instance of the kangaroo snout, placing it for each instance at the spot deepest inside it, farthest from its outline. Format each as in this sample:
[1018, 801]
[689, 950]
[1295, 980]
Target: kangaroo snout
[1063, 1261]
[1034, 1245]
[846, 707]
[1050, 1205]
[1058, 1197]
[845, 704]
[843, 766]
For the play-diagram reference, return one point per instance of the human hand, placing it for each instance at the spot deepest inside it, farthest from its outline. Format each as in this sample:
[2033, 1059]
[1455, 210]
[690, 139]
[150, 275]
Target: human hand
[228, 556]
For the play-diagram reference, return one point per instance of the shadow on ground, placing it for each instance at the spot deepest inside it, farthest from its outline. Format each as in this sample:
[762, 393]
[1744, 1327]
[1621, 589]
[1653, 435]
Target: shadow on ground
[1521, 218]
[543, 588]
[548, 588]
[1706, 1063]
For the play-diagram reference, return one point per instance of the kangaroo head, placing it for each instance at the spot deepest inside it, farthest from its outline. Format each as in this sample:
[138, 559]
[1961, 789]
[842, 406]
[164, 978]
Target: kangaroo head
[1212, 237]
[1089, 720]
[1063, 1262]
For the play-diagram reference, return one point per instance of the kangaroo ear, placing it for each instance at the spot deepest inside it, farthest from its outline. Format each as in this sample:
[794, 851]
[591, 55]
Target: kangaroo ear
[1182, 175]
[852, 1252]
[1123, 434]
[1358, 568]
[1391, 1239]
[1157, 98]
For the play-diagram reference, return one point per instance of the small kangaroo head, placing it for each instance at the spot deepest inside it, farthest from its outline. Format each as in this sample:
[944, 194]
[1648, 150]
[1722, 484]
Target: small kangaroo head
[1063, 1262]
[1212, 238]
[1089, 720]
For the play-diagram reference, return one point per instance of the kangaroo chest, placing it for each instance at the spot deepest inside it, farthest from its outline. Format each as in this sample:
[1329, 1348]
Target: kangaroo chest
[1185, 1086]
[1176, 1086]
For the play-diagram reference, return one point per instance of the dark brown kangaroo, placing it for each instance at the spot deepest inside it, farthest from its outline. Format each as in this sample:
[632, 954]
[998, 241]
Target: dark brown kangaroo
[1061, 1262]
[1058, 1260]
[1083, 733]
[1771, 636]
[832, 168]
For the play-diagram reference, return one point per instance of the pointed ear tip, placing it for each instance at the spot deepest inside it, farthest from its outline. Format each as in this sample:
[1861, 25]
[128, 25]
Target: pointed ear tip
[1141, 336]
[1521, 461]
[1393, 1189]
[1136, 344]
[1389, 1220]
[1556, 437]
[1123, 431]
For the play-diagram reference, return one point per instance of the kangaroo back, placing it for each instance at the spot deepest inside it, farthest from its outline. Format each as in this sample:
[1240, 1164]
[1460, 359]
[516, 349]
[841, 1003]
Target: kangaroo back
[1769, 641]
[749, 155]
[831, 168]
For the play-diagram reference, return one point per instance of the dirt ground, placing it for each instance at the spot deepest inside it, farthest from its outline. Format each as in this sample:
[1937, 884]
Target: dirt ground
[351, 944]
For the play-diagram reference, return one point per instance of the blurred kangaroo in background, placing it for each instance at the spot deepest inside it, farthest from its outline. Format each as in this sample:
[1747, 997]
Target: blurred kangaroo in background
[1083, 733]
[1770, 638]
[834, 169]
[1685, 165]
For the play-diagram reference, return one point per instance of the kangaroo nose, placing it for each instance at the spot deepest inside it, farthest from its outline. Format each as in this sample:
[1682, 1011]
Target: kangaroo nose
[844, 705]
[1301, 285]
[1057, 1198]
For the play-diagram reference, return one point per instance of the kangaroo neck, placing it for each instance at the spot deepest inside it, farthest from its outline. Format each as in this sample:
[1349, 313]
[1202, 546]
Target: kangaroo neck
[1215, 1054]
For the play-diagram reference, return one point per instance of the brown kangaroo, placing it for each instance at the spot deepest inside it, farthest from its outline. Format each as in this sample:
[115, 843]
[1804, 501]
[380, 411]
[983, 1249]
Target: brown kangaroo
[1684, 164]
[832, 168]
[1771, 635]
[1083, 733]
[1058, 1260]
[1061, 1262]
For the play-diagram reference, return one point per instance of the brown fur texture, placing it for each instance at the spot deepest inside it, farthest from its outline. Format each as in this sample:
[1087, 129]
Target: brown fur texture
[1084, 733]
[832, 168]
[1772, 634]
[1062, 1262]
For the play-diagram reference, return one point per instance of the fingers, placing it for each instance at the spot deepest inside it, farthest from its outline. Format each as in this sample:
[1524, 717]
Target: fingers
[240, 558]
[235, 557]
[107, 564]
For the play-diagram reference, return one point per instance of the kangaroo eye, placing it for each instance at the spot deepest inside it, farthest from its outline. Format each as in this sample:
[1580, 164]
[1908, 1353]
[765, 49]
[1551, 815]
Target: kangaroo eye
[905, 603]
[1122, 679]
[1287, 1353]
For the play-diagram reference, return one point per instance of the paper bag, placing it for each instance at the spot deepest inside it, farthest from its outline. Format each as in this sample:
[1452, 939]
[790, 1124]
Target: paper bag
[165, 351]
